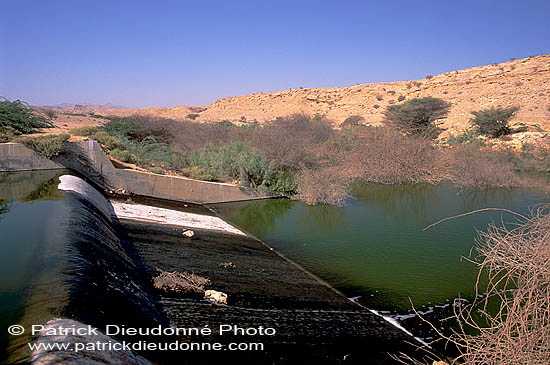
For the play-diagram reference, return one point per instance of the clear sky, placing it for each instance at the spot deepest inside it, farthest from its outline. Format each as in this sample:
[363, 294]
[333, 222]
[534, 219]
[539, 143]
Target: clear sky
[162, 53]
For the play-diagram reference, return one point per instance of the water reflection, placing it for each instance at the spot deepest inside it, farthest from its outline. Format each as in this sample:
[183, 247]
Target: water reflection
[399, 201]
[30, 185]
[327, 216]
[261, 214]
[375, 246]
[4, 206]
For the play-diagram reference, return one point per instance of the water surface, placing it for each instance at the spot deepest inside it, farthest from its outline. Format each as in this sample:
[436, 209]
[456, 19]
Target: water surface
[375, 247]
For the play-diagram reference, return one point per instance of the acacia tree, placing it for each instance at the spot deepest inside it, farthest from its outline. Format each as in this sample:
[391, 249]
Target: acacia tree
[494, 122]
[417, 116]
[18, 117]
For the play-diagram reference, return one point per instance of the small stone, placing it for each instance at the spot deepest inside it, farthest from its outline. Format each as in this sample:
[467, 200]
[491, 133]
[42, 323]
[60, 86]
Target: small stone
[188, 233]
[216, 296]
[228, 265]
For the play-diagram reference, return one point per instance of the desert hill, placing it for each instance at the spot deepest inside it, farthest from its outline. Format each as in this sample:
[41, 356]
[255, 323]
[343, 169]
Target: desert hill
[524, 83]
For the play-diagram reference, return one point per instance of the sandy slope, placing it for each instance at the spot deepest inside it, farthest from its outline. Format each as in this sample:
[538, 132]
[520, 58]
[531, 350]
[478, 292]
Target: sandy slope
[524, 83]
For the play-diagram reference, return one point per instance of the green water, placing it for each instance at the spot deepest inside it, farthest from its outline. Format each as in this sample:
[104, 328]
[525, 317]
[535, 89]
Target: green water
[375, 247]
[31, 211]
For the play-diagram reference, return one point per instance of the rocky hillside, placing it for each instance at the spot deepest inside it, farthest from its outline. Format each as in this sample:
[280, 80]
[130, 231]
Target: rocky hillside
[524, 83]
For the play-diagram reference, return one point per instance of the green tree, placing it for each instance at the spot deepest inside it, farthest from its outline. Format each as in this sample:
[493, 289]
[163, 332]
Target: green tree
[494, 122]
[417, 116]
[18, 116]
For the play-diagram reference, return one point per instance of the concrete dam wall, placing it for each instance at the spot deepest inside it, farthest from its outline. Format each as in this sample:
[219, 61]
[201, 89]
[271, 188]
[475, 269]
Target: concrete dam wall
[89, 159]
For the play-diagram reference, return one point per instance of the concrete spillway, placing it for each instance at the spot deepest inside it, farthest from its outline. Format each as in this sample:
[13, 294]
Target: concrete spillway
[103, 276]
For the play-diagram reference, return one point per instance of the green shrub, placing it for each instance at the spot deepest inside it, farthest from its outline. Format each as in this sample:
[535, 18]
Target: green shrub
[109, 141]
[283, 183]
[7, 134]
[417, 116]
[158, 170]
[120, 127]
[234, 161]
[192, 116]
[47, 146]
[94, 115]
[494, 122]
[464, 137]
[20, 118]
[123, 155]
[352, 120]
[85, 131]
[226, 123]
[149, 150]
[195, 172]
[50, 113]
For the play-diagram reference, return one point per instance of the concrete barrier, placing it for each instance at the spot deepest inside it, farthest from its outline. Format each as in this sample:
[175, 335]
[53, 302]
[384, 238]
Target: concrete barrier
[17, 157]
[89, 159]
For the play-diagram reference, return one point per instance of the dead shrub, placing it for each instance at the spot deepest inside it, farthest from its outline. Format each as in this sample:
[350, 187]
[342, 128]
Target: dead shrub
[385, 156]
[293, 142]
[476, 168]
[322, 186]
[352, 120]
[180, 282]
[508, 321]
[516, 263]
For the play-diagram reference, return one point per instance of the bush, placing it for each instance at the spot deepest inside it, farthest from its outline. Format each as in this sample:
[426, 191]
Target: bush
[352, 120]
[234, 161]
[85, 131]
[192, 116]
[158, 170]
[383, 155]
[50, 113]
[283, 183]
[120, 127]
[293, 142]
[475, 168]
[417, 116]
[20, 118]
[464, 137]
[195, 172]
[47, 146]
[7, 134]
[97, 116]
[123, 155]
[109, 141]
[494, 122]
[150, 150]
[323, 186]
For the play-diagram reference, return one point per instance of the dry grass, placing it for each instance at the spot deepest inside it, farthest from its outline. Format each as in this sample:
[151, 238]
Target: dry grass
[517, 263]
[510, 322]
[180, 282]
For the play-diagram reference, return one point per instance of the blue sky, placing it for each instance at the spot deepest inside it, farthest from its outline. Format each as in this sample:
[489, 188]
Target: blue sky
[162, 53]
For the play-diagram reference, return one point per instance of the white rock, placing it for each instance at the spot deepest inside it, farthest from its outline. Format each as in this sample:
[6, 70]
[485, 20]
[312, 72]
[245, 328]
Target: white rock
[217, 296]
[188, 233]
